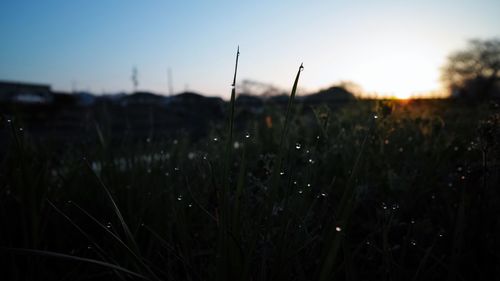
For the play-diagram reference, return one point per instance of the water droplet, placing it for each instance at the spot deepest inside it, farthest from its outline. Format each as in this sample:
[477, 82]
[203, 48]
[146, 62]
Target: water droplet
[21, 129]
[89, 247]
[338, 229]
[236, 145]
[440, 235]
[412, 221]
[308, 185]
[311, 161]
[375, 117]
[179, 198]
[176, 169]
[108, 225]
[300, 191]
[191, 155]
[295, 182]
[317, 137]
[413, 242]
[216, 139]
[282, 173]
[368, 243]
[190, 205]
[324, 195]
[395, 207]
[307, 151]
[298, 146]
[247, 135]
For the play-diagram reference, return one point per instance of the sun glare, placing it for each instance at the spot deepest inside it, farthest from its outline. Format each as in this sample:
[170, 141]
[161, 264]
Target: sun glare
[399, 72]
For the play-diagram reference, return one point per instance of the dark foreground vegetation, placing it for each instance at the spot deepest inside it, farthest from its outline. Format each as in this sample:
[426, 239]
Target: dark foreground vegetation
[369, 190]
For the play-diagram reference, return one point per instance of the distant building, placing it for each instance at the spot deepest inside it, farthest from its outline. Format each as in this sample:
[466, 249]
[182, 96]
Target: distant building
[25, 92]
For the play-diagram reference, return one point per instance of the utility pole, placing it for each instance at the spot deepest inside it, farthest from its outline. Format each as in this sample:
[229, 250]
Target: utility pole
[170, 83]
[135, 78]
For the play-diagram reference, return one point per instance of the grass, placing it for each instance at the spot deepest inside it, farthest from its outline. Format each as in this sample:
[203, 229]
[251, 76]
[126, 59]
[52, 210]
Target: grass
[370, 190]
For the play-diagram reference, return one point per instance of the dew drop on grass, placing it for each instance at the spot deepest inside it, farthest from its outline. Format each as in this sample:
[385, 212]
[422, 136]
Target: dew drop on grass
[216, 139]
[324, 195]
[176, 169]
[338, 229]
[295, 182]
[247, 135]
[190, 205]
[179, 198]
[108, 225]
[298, 146]
[282, 173]
[9, 121]
[308, 185]
[413, 242]
[311, 161]
[375, 116]
[317, 137]
[300, 191]
[89, 247]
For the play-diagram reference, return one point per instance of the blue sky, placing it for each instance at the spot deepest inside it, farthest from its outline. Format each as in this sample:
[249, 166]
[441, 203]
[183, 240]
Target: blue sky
[386, 46]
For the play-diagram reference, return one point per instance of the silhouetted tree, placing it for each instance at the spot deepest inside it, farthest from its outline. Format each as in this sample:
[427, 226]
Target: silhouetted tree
[475, 71]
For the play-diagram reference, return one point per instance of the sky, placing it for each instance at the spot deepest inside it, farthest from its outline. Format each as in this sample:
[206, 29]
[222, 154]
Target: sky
[392, 47]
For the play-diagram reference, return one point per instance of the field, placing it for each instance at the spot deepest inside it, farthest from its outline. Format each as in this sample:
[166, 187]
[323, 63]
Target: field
[364, 190]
